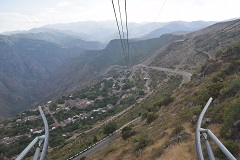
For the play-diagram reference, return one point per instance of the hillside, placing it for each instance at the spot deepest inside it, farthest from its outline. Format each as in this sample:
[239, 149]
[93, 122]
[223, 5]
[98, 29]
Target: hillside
[52, 63]
[44, 56]
[139, 50]
[172, 134]
[27, 60]
[57, 63]
[92, 66]
[191, 52]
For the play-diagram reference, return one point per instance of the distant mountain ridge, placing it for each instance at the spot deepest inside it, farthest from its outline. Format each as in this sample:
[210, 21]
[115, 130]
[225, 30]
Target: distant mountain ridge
[105, 31]
[178, 26]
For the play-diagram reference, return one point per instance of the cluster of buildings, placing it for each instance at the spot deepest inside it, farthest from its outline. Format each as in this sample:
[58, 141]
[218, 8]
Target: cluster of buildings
[82, 103]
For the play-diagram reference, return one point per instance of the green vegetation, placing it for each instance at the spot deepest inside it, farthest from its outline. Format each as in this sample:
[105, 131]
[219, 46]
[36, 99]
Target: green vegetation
[230, 117]
[127, 132]
[164, 101]
[232, 146]
[110, 128]
[17, 147]
[156, 78]
[128, 85]
[95, 139]
[56, 139]
[142, 140]
[223, 85]
[138, 51]
[151, 117]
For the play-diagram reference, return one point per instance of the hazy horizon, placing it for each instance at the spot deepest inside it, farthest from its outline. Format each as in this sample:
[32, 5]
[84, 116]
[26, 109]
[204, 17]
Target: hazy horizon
[33, 14]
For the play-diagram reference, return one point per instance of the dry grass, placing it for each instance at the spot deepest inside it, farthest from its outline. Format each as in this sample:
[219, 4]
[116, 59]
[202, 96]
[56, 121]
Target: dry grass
[180, 151]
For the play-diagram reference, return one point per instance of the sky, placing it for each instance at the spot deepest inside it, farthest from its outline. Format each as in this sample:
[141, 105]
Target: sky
[27, 14]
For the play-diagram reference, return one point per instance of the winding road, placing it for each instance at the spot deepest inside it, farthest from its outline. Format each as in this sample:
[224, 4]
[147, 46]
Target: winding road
[186, 76]
[103, 143]
[209, 56]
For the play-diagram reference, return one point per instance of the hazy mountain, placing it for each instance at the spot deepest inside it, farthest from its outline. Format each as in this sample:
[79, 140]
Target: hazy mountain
[107, 30]
[179, 26]
[27, 60]
[62, 39]
[98, 30]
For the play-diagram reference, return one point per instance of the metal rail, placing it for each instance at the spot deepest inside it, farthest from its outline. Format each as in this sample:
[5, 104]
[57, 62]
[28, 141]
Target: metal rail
[44, 138]
[205, 133]
[45, 145]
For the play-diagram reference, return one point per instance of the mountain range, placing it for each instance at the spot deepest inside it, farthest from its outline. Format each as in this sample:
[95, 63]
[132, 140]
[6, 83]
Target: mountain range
[105, 31]
[45, 63]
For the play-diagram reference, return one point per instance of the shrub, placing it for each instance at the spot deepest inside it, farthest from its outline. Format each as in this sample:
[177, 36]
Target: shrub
[95, 139]
[163, 101]
[196, 110]
[151, 117]
[178, 129]
[214, 89]
[143, 141]
[144, 114]
[201, 97]
[232, 146]
[232, 89]
[231, 117]
[127, 132]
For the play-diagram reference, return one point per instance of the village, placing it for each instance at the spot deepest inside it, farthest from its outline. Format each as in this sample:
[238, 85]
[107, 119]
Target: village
[76, 111]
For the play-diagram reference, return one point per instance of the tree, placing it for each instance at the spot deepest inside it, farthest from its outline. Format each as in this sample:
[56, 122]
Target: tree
[95, 139]
[151, 117]
[110, 127]
[127, 132]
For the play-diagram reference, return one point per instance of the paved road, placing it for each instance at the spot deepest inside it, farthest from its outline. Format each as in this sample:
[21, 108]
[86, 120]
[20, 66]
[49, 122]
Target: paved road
[186, 75]
[103, 143]
[99, 146]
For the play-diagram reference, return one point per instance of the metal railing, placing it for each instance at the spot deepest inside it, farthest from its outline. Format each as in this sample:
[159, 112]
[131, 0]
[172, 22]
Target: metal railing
[39, 139]
[205, 133]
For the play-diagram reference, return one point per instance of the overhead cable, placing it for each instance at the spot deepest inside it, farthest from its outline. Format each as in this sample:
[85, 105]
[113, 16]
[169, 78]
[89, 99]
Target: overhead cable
[127, 31]
[119, 30]
[154, 23]
[229, 25]
[223, 30]
[120, 15]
